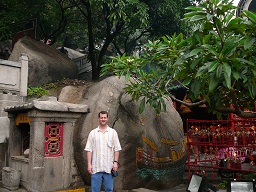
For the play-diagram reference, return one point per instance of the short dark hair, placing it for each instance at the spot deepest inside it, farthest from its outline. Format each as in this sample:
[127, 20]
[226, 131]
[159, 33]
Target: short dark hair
[103, 112]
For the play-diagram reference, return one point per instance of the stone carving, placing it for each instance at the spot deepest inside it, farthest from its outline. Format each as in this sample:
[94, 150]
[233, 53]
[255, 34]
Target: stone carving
[11, 178]
[153, 152]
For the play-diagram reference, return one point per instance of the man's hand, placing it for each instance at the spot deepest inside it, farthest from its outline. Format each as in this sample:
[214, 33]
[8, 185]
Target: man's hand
[89, 159]
[90, 169]
[115, 166]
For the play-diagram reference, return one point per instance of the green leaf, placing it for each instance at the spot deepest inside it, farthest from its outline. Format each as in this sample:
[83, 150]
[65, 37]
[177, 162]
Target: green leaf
[206, 39]
[235, 74]
[197, 37]
[227, 80]
[179, 38]
[152, 103]
[142, 105]
[254, 72]
[158, 107]
[213, 83]
[191, 14]
[252, 90]
[213, 66]
[195, 52]
[249, 41]
[179, 61]
[234, 22]
[203, 69]
[195, 87]
[219, 71]
[246, 61]
[229, 48]
[219, 26]
[195, 8]
[211, 49]
[227, 69]
[197, 18]
[187, 80]
[195, 62]
[245, 78]
[127, 76]
[209, 16]
[250, 15]
[163, 103]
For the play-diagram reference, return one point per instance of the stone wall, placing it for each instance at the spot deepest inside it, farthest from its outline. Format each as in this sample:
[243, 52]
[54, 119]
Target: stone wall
[14, 76]
[2, 156]
[8, 99]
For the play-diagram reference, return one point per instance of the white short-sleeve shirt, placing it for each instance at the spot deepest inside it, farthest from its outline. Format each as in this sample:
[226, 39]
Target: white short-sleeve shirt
[102, 145]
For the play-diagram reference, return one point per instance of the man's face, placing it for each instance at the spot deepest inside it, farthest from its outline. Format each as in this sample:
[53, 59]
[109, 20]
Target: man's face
[103, 119]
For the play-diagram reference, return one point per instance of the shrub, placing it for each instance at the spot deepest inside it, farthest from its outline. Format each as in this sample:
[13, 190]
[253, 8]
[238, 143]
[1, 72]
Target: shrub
[37, 91]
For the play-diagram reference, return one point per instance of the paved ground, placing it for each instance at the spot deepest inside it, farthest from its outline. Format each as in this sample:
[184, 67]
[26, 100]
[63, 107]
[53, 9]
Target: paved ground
[179, 188]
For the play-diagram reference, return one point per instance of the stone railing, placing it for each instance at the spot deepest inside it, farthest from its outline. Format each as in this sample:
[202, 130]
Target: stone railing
[14, 76]
[84, 67]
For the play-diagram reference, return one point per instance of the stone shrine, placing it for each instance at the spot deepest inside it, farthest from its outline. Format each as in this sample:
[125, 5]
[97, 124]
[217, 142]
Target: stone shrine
[41, 143]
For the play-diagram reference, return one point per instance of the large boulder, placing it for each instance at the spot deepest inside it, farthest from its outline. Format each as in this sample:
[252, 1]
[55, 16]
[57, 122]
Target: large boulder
[153, 152]
[45, 64]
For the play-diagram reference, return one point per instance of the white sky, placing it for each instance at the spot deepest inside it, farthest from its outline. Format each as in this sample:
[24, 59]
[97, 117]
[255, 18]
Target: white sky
[235, 2]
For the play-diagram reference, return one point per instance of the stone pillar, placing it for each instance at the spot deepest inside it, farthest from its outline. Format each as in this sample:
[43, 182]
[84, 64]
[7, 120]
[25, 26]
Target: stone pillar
[24, 75]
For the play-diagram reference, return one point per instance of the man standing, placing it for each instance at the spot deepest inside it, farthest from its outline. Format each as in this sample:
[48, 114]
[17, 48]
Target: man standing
[102, 148]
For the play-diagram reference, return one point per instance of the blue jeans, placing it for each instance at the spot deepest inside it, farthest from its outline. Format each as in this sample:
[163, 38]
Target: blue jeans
[96, 181]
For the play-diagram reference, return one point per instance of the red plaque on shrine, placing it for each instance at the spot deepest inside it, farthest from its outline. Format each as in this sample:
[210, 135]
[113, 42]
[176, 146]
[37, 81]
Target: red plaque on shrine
[53, 145]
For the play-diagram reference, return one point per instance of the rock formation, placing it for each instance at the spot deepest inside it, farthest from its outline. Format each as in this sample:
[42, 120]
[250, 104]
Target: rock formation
[153, 152]
[46, 64]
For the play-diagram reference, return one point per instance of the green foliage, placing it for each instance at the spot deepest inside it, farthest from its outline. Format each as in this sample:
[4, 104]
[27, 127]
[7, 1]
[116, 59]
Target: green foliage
[147, 71]
[102, 28]
[216, 62]
[223, 184]
[13, 11]
[58, 19]
[248, 176]
[37, 91]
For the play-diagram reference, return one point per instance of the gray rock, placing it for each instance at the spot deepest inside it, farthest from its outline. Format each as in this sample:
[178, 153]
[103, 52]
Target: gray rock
[45, 64]
[153, 152]
[72, 94]
[26, 153]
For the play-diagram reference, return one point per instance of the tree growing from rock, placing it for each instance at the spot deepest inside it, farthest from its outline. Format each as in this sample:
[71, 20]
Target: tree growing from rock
[216, 63]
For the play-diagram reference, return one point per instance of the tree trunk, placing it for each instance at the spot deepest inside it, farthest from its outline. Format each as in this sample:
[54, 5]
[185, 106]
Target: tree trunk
[94, 63]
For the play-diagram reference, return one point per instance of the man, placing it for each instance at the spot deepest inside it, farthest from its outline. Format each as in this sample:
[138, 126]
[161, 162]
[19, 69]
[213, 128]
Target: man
[102, 149]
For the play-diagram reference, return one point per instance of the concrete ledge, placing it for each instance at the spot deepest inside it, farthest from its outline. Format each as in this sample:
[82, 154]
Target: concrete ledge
[142, 190]
[73, 190]
[6, 190]
[50, 104]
